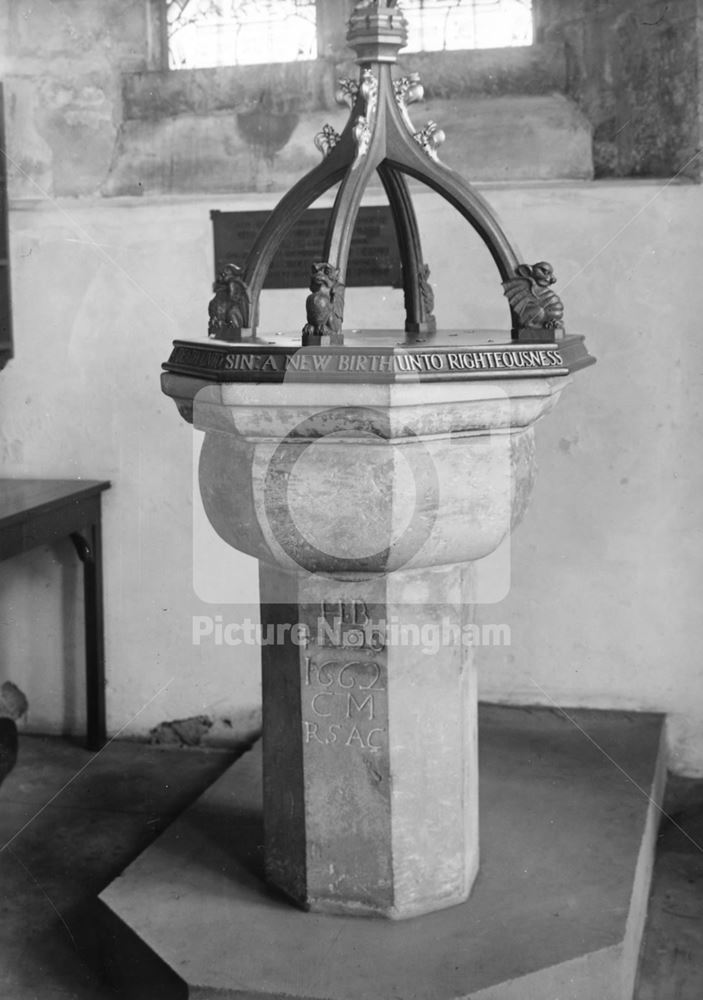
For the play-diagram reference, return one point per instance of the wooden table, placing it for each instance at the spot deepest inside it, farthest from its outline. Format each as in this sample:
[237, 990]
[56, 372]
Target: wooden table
[41, 511]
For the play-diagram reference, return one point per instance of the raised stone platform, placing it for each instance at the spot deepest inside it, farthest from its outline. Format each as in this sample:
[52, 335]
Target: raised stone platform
[568, 826]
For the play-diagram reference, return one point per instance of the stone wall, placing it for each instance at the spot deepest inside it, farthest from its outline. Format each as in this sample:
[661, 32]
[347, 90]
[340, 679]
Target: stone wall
[91, 111]
[62, 64]
[633, 66]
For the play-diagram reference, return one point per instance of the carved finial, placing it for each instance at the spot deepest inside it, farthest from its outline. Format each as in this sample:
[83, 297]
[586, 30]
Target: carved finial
[430, 138]
[324, 306]
[229, 309]
[365, 4]
[377, 30]
[326, 139]
[531, 297]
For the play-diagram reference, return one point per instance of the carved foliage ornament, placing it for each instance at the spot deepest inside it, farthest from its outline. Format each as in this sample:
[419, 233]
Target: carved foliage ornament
[531, 297]
[408, 89]
[430, 138]
[326, 139]
[346, 92]
[363, 126]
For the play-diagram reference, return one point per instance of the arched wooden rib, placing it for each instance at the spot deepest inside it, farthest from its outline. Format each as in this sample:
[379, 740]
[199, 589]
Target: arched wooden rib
[289, 209]
[351, 190]
[405, 154]
[418, 317]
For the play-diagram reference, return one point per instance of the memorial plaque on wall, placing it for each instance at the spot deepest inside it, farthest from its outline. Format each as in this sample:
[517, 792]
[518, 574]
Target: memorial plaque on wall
[373, 257]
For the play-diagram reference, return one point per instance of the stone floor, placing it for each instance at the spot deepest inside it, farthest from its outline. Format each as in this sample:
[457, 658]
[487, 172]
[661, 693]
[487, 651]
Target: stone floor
[70, 821]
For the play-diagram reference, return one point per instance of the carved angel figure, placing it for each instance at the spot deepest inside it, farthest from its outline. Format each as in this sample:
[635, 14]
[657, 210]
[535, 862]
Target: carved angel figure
[325, 304]
[531, 297]
[229, 309]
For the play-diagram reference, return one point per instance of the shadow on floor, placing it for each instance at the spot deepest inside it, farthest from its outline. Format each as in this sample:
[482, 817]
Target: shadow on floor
[70, 821]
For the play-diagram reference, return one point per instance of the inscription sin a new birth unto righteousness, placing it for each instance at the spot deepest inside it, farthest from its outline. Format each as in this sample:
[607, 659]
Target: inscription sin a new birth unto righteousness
[447, 362]
[444, 362]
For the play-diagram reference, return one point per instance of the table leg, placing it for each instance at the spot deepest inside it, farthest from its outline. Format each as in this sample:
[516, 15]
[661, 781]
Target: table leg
[89, 549]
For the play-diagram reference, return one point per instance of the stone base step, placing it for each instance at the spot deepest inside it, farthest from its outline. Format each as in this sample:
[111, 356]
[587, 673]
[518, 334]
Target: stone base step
[569, 814]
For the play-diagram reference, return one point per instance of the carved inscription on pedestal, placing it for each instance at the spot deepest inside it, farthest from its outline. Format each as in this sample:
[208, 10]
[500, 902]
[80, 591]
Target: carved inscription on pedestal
[344, 703]
[344, 689]
[348, 624]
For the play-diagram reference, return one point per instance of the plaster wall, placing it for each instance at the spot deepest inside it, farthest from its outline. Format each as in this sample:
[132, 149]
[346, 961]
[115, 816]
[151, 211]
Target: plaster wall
[605, 570]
